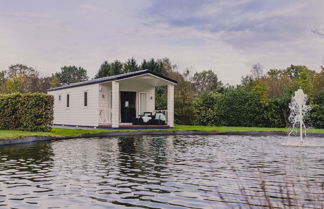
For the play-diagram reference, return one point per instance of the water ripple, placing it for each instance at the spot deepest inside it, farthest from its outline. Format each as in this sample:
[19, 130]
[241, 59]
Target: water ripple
[152, 172]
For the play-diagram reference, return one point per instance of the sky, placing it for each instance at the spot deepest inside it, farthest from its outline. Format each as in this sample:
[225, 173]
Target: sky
[226, 36]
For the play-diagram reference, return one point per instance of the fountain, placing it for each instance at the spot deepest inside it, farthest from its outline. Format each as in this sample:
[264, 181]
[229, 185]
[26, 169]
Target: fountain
[298, 110]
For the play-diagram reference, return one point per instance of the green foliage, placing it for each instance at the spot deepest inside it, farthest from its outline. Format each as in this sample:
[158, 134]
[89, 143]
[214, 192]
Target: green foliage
[317, 112]
[236, 107]
[22, 79]
[130, 66]
[276, 112]
[71, 74]
[154, 66]
[206, 81]
[206, 109]
[54, 81]
[241, 108]
[183, 98]
[30, 112]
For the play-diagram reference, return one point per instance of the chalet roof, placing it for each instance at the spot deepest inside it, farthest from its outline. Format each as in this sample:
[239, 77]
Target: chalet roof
[113, 78]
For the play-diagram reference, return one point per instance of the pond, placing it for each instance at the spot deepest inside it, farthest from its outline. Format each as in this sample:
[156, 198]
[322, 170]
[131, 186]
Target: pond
[156, 172]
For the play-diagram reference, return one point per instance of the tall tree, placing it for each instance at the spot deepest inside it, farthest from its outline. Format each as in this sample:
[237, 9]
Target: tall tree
[152, 65]
[257, 70]
[21, 79]
[104, 70]
[206, 81]
[72, 74]
[19, 69]
[116, 68]
[130, 66]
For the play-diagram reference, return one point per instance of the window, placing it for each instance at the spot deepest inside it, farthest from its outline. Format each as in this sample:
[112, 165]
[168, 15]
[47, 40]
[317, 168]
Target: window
[68, 100]
[85, 98]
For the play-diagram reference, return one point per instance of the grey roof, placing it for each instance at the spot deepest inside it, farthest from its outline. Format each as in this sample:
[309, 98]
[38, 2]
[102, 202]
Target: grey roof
[112, 78]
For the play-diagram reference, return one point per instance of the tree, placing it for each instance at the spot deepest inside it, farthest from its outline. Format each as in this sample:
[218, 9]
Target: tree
[304, 81]
[184, 97]
[19, 69]
[130, 66]
[72, 74]
[317, 112]
[152, 65]
[206, 109]
[15, 84]
[104, 70]
[2, 79]
[206, 81]
[54, 81]
[22, 79]
[318, 81]
[116, 68]
[257, 70]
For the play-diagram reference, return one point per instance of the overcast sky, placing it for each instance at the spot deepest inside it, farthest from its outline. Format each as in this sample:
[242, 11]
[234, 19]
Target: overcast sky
[228, 36]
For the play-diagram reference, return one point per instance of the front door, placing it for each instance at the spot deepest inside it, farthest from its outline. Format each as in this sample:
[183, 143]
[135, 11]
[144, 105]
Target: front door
[127, 105]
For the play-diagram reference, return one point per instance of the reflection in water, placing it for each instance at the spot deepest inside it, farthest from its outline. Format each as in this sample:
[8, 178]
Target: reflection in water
[151, 172]
[24, 170]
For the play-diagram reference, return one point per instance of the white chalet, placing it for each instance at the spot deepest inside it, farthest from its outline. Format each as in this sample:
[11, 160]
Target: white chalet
[113, 101]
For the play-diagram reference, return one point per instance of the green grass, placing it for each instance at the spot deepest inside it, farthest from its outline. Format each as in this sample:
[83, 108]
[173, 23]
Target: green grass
[67, 132]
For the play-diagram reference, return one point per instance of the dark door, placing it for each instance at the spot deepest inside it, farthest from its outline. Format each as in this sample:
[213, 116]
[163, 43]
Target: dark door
[128, 108]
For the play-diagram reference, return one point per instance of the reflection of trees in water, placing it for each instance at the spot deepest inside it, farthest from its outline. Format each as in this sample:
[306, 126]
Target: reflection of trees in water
[143, 156]
[32, 158]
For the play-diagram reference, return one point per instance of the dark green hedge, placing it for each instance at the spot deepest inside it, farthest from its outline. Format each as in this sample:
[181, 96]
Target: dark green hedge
[29, 112]
[239, 107]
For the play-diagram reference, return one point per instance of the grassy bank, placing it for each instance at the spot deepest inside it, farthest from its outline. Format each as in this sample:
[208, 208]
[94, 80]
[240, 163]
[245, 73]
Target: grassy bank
[67, 132]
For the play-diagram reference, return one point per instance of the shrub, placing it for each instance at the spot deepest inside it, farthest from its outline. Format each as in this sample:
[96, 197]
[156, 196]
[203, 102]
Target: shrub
[317, 112]
[206, 109]
[236, 107]
[29, 112]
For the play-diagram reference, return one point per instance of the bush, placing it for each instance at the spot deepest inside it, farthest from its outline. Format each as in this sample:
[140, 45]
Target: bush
[206, 109]
[317, 112]
[236, 107]
[29, 112]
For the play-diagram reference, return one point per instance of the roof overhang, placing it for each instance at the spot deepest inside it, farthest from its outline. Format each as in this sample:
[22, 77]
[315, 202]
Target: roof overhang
[120, 77]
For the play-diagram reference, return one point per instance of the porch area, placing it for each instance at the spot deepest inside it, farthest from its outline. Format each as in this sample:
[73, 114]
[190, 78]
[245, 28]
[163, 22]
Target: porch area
[130, 103]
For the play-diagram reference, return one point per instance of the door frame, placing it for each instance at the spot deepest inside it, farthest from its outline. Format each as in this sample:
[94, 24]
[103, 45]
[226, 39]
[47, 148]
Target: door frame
[120, 104]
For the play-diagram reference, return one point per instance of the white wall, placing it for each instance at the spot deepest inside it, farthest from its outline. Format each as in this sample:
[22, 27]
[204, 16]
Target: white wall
[77, 113]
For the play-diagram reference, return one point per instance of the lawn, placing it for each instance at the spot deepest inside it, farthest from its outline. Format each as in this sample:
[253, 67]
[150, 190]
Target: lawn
[67, 132]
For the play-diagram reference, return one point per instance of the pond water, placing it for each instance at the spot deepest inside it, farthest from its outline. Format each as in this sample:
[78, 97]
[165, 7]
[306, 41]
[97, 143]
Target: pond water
[155, 172]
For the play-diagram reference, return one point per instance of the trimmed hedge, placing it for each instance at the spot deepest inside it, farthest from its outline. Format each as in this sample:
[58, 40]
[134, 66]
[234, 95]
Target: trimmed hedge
[28, 112]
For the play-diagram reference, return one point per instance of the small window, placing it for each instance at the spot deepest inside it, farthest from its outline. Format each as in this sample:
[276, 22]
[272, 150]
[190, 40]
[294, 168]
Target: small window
[68, 100]
[59, 97]
[85, 98]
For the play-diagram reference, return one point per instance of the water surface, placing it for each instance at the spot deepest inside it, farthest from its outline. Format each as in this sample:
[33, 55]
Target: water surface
[153, 172]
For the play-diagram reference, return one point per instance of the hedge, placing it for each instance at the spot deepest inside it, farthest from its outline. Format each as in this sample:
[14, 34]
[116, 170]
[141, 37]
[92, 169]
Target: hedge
[28, 112]
[239, 107]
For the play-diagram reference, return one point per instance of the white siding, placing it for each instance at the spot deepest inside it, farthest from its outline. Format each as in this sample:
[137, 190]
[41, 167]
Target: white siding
[77, 113]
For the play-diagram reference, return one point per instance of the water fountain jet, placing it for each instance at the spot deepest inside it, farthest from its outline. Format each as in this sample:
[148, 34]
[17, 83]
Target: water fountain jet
[298, 110]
